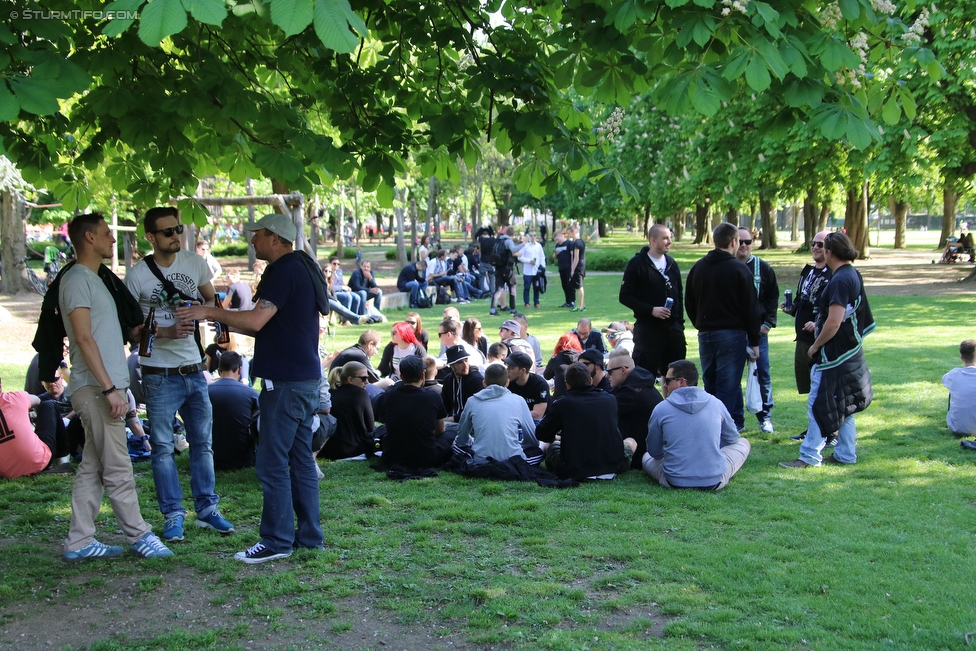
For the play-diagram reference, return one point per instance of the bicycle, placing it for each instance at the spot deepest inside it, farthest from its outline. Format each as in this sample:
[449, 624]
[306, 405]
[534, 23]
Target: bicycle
[39, 285]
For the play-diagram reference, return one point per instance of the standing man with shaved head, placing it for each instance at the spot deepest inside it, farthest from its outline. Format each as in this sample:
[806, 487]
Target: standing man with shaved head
[651, 278]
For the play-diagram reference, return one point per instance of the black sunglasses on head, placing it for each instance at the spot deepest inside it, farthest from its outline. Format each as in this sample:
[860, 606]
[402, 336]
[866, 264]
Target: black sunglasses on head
[168, 232]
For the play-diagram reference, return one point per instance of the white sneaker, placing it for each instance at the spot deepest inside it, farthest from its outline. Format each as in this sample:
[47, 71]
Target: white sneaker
[767, 426]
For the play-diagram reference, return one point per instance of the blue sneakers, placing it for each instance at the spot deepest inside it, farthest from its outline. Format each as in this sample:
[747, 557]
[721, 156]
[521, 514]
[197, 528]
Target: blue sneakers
[94, 549]
[150, 546]
[173, 529]
[216, 522]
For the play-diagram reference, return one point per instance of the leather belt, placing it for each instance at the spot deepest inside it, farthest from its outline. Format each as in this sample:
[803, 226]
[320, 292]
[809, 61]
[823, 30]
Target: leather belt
[182, 370]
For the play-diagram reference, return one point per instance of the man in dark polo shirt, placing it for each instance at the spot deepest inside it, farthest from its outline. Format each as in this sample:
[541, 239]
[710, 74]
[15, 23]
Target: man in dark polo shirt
[414, 419]
[235, 416]
[285, 327]
[529, 386]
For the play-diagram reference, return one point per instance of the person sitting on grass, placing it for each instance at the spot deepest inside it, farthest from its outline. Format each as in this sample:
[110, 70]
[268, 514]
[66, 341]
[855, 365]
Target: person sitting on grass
[403, 343]
[585, 420]
[414, 420]
[24, 451]
[353, 412]
[692, 441]
[961, 383]
[496, 423]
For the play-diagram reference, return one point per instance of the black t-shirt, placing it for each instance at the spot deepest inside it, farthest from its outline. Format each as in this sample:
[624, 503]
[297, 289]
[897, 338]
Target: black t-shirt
[809, 289]
[844, 289]
[580, 245]
[534, 391]
[353, 412]
[234, 412]
[410, 414]
[564, 255]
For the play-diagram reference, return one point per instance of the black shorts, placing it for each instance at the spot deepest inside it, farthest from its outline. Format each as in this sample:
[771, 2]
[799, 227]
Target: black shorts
[505, 276]
[577, 280]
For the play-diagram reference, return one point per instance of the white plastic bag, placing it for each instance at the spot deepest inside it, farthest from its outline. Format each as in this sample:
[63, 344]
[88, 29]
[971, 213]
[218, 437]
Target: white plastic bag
[754, 401]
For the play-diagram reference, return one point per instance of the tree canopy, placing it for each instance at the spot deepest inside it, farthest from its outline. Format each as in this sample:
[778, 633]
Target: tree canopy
[162, 93]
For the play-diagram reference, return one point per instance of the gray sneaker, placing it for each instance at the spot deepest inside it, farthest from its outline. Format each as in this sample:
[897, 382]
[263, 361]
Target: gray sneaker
[150, 546]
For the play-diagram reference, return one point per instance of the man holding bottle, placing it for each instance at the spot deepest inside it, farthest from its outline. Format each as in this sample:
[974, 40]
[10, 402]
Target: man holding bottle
[173, 377]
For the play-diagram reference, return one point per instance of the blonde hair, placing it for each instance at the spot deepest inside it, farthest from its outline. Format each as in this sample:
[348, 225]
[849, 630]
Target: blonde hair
[340, 375]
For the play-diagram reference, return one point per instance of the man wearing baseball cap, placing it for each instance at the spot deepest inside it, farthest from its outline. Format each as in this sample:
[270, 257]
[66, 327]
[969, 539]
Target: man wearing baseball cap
[619, 335]
[529, 386]
[593, 360]
[285, 327]
[510, 333]
[461, 384]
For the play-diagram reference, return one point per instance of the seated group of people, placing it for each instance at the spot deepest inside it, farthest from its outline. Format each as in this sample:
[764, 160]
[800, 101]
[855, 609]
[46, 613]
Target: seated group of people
[595, 421]
[358, 302]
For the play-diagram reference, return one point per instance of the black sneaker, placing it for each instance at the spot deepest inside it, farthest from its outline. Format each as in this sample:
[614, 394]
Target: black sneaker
[831, 442]
[799, 437]
[260, 554]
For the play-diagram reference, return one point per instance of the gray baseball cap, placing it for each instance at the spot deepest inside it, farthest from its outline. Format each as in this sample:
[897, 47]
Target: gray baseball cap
[278, 224]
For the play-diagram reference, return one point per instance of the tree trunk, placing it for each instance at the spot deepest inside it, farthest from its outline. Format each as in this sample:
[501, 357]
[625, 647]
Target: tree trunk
[341, 231]
[950, 199]
[251, 257]
[601, 225]
[431, 199]
[794, 222]
[414, 243]
[768, 222]
[811, 214]
[899, 210]
[733, 215]
[401, 245]
[856, 219]
[14, 243]
[678, 225]
[647, 219]
[702, 234]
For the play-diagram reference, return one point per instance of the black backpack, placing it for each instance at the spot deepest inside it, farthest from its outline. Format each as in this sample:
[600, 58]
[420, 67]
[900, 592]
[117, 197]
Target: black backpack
[443, 298]
[423, 301]
[501, 255]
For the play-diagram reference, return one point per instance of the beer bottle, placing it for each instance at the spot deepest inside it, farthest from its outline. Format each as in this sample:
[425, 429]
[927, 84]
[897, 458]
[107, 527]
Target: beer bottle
[148, 334]
[222, 332]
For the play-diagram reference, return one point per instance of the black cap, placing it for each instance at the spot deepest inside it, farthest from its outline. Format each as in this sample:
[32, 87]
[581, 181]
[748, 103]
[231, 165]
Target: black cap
[412, 368]
[456, 354]
[521, 360]
[591, 355]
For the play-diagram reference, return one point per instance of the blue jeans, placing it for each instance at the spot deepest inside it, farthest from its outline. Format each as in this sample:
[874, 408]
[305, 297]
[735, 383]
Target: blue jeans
[351, 301]
[285, 467]
[451, 281]
[845, 450]
[342, 311]
[723, 359]
[165, 395]
[365, 296]
[488, 272]
[415, 287]
[765, 381]
[529, 281]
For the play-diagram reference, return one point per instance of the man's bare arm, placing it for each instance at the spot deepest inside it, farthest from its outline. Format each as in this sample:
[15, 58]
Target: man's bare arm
[248, 322]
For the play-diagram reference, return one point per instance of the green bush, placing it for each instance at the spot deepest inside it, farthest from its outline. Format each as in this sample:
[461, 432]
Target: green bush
[390, 255]
[236, 249]
[607, 261]
[349, 253]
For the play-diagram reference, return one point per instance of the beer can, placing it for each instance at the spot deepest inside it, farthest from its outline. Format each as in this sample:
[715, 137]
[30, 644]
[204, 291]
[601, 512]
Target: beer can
[668, 303]
[788, 299]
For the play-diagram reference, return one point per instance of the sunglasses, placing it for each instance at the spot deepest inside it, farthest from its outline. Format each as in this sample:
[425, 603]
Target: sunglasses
[745, 242]
[168, 232]
[668, 380]
[615, 368]
[360, 377]
[817, 245]
[412, 322]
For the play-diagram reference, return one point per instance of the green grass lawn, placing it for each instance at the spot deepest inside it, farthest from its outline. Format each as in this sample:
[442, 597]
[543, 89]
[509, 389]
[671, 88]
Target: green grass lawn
[874, 556]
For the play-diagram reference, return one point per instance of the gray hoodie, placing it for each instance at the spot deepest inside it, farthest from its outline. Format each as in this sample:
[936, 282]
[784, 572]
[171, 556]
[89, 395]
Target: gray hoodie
[688, 430]
[492, 418]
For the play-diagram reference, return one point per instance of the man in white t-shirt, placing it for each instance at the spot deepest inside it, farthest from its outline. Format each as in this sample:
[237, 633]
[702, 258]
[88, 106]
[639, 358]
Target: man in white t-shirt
[533, 258]
[174, 376]
[961, 383]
